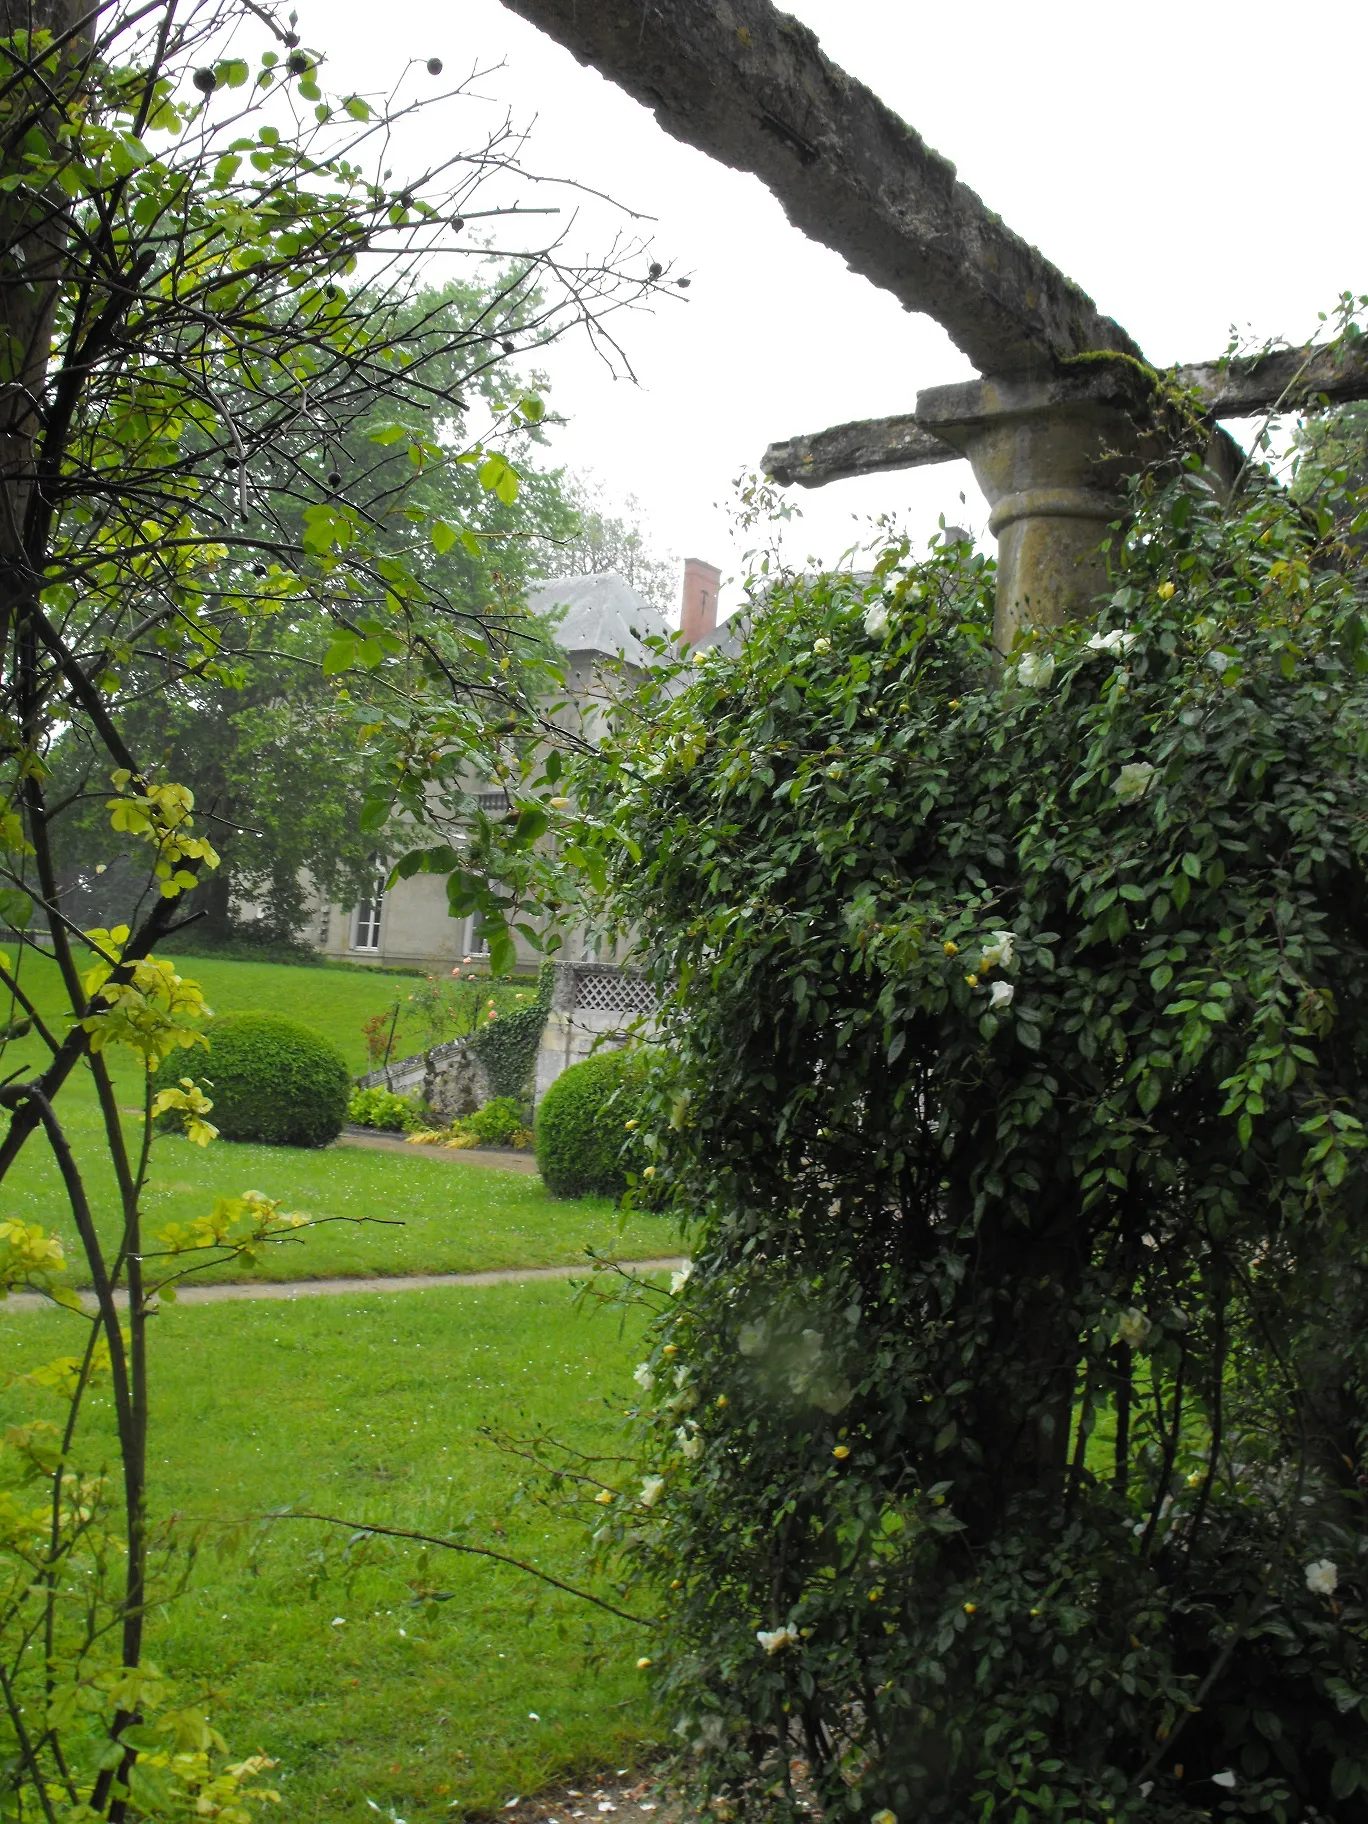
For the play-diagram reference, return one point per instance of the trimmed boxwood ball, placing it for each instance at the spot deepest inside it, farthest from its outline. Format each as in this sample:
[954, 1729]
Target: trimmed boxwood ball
[272, 1080]
[581, 1125]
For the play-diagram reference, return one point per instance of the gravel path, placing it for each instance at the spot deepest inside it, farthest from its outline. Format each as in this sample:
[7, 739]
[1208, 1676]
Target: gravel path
[502, 1159]
[331, 1288]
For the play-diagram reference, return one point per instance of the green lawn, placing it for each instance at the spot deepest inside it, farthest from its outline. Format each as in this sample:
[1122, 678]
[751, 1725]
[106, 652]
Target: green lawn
[369, 1407]
[336, 1002]
[410, 1214]
[405, 1214]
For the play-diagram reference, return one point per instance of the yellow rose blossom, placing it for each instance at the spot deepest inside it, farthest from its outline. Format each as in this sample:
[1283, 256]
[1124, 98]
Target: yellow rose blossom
[1167, 591]
[972, 980]
[841, 1452]
[971, 1608]
[950, 948]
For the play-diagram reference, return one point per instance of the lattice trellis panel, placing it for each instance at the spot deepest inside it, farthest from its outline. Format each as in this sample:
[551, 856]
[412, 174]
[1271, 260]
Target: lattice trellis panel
[613, 993]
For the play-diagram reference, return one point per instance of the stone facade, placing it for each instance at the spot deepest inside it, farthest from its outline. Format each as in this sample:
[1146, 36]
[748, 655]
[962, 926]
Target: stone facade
[603, 622]
[593, 1005]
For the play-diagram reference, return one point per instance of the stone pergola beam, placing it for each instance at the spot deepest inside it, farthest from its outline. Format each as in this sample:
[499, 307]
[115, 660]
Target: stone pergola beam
[750, 86]
[868, 446]
[1288, 379]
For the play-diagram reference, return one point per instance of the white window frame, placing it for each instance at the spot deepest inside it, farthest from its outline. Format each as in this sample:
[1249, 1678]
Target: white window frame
[366, 920]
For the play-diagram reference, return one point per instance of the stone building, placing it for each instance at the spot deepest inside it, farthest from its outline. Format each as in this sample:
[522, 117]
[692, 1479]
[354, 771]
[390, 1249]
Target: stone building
[602, 622]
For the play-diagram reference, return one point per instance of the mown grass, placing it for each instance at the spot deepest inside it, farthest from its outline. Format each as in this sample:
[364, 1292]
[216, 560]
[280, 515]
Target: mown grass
[382, 1213]
[370, 1407]
[335, 1002]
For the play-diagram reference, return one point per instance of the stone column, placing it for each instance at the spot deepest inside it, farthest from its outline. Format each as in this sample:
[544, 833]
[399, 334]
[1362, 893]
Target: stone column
[1051, 457]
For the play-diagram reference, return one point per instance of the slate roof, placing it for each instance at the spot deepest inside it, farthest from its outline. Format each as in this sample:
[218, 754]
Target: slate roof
[603, 614]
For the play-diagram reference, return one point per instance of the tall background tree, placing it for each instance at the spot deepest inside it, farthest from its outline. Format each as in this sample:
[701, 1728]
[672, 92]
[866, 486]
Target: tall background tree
[274, 748]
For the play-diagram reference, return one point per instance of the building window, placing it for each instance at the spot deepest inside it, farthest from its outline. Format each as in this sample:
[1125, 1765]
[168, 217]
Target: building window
[477, 935]
[366, 929]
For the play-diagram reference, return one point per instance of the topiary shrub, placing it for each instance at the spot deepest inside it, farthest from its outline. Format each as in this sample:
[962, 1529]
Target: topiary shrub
[581, 1128]
[272, 1080]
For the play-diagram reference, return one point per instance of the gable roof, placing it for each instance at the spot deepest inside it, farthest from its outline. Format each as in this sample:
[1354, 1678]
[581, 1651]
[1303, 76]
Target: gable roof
[603, 614]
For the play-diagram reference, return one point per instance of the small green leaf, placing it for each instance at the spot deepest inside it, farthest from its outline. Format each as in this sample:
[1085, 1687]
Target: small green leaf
[498, 477]
[503, 952]
[16, 907]
[443, 537]
[340, 655]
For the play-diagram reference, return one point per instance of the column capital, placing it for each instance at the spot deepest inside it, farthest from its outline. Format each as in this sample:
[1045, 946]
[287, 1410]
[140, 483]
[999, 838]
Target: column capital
[1052, 457]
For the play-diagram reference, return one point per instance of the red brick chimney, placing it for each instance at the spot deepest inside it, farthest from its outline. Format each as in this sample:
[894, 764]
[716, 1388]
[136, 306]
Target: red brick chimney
[698, 614]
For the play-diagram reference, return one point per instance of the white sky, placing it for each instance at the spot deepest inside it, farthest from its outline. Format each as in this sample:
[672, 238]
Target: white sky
[1191, 163]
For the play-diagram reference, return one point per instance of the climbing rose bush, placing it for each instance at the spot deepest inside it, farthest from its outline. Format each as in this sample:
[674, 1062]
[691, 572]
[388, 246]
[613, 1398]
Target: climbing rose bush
[1010, 1423]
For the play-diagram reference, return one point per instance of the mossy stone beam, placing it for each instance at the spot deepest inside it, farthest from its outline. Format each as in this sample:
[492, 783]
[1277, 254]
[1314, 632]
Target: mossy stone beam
[1288, 379]
[750, 86]
[868, 446]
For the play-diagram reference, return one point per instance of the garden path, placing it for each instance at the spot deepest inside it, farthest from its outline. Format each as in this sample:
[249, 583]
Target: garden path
[501, 1158]
[328, 1288]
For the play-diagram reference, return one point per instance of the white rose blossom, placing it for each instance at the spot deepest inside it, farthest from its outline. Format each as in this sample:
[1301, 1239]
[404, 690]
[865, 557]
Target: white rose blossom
[690, 1444]
[876, 621]
[1322, 1577]
[1117, 642]
[1133, 781]
[822, 646]
[1134, 1327]
[998, 954]
[1035, 670]
[643, 1376]
[1000, 996]
[679, 1280]
[652, 1488]
[1226, 1779]
[774, 1639]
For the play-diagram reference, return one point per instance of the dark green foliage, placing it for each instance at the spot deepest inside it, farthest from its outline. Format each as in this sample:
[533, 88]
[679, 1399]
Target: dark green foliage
[1022, 1376]
[507, 1047]
[497, 1123]
[583, 1141]
[272, 1080]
